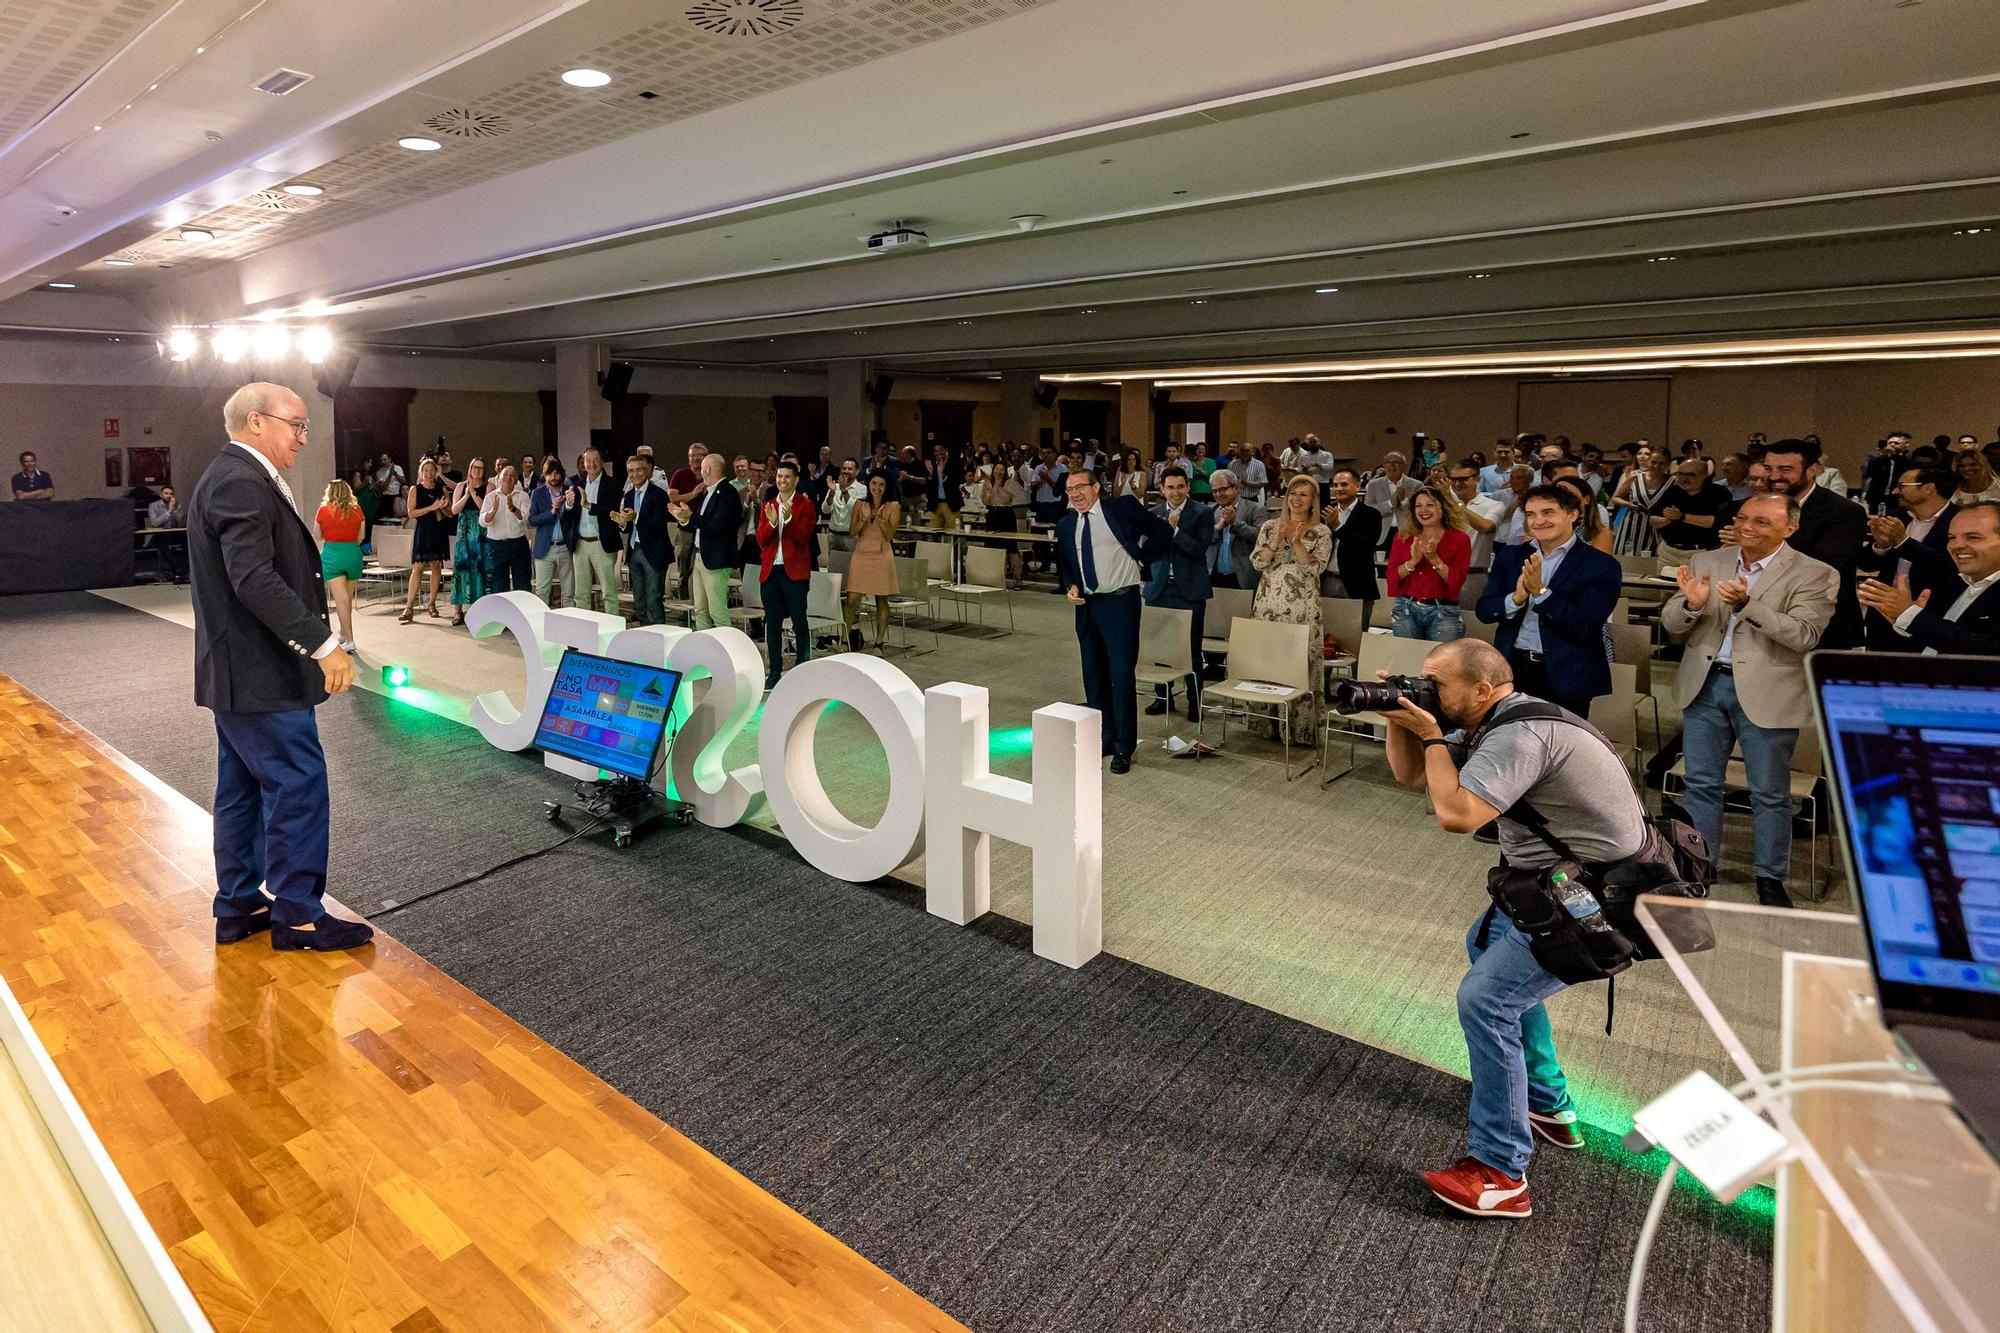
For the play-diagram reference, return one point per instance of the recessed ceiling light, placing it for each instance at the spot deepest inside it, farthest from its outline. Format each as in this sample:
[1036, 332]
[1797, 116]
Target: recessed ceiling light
[416, 143]
[1662, 259]
[1091, 310]
[1972, 231]
[118, 263]
[1197, 302]
[63, 286]
[197, 234]
[1482, 275]
[585, 78]
[305, 189]
[1324, 291]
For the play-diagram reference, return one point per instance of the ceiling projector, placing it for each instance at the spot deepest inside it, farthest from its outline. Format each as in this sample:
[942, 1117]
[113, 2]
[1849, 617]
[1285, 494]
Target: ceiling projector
[898, 237]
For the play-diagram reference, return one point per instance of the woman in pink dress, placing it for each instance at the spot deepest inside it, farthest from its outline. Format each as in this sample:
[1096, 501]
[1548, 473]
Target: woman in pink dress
[872, 572]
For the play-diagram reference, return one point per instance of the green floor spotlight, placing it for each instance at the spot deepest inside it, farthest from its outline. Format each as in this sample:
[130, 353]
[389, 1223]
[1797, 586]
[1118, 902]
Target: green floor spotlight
[395, 677]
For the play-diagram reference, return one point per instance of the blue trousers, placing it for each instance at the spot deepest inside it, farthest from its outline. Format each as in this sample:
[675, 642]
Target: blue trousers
[1512, 1050]
[1107, 635]
[270, 815]
[1711, 727]
[1437, 622]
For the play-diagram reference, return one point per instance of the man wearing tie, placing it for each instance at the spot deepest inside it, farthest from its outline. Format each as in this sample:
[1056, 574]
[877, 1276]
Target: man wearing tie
[263, 659]
[642, 514]
[594, 560]
[1102, 550]
[1180, 577]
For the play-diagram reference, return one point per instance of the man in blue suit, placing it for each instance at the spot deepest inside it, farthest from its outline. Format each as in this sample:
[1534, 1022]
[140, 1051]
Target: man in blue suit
[649, 544]
[1180, 577]
[1103, 549]
[1552, 596]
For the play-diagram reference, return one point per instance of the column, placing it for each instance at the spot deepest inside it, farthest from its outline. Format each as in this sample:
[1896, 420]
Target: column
[314, 468]
[849, 414]
[1020, 415]
[580, 408]
[1135, 415]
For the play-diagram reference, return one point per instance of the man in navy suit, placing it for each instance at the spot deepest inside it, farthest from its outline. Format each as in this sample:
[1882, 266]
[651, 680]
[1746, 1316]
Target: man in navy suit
[1552, 596]
[1963, 615]
[714, 520]
[1180, 577]
[1103, 549]
[643, 516]
[263, 659]
[1913, 547]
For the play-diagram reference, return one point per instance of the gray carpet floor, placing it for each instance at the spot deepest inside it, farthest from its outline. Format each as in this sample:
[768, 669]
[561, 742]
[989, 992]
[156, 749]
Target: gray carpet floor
[1026, 1146]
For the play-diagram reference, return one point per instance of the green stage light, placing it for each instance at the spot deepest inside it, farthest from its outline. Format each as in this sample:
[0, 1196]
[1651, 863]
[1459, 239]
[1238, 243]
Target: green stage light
[395, 677]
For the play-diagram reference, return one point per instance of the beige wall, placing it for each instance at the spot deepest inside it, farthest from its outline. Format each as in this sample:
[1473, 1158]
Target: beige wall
[730, 426]
[1848, 407]
[475, 423]
[64, 425]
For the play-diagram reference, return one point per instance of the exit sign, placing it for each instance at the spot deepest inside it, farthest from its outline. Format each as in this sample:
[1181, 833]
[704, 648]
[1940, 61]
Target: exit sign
[111, 428]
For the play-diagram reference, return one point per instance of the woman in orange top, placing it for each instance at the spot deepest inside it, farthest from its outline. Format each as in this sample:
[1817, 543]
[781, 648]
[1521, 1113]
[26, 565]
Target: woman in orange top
[339, 521]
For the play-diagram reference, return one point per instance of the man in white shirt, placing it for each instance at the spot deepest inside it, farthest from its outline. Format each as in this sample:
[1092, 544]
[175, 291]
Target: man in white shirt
[1318, 460]
[842, 494]
[1103, 548]
[389, 485]
[1493, 478]
[1175, 461]
[1970, 624]
[504, 516]
[1387, 491]
[594, 564]
[1483, 516]
[1250, 474]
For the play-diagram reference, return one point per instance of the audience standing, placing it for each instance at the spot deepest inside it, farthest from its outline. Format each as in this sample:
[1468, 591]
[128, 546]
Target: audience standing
[1749, 615]
[1356, 532]
[1969, 622]
[430, 538]
[643, 522]
[1293, 550]
[503, 515]
[1233, 534]
[684, 487]
[1831, 529]
[1552, 596]
[1179, 579]
[1392, 486]
[1484, 514]
[1688, 516]
[871, 525]
[552, 515]
[785, 525]
[712, 522]
[468, 548]
[594, 561]
[1103, 546]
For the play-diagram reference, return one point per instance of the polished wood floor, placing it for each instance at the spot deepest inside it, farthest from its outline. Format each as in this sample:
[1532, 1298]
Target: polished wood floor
[335, 1142]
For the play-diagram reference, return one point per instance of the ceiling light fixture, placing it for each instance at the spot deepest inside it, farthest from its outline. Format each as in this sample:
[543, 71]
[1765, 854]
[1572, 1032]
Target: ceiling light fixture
[197, 235]
[271, 341]
[1482, 275]
[63, 286]
[181, 344]
[1325, 291]
[585, 78]
[1662, 259]
[305, 189]
[417, 143]
[1972, 231]
[118, 263]
[230, 343]
[316, 342]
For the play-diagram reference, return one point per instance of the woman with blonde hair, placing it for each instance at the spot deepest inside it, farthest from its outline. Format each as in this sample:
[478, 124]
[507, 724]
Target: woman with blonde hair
[430, 542]
[1292, 551]
[339, 521]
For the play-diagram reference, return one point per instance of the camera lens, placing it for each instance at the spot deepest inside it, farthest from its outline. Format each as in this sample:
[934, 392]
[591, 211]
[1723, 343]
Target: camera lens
[1365, 696]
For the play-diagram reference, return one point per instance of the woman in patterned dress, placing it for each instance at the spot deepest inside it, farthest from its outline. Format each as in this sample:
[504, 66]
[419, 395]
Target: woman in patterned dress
[468, 550]
[1293, 550]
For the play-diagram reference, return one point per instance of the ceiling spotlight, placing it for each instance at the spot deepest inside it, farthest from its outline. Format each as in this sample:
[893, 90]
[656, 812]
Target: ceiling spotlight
[1972, 231]
[1326, 291]
[1198, 302]
[271, 341]
[230, 343]
[1027, 221]
[416, 143]
[313, 307]
[118, 263]
[197, 234]
[1662, 259]
[63, 286]
[585, 78]
[181, 343]
[305, 189]
[315, 342]
[1482, 275]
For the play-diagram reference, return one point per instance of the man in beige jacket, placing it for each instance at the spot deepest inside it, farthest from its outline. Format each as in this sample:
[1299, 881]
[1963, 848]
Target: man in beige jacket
[1749, 614]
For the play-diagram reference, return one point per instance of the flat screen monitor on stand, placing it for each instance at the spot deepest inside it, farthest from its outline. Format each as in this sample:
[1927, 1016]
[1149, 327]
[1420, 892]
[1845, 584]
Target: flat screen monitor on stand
[613, 716]
[1913, 758]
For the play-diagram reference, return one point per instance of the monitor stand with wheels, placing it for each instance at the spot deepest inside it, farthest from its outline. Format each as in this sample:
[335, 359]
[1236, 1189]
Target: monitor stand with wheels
[626, 804]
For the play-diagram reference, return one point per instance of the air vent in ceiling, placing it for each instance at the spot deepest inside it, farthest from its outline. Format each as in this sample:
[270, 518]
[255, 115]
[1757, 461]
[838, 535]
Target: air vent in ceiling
[275, 202]
[282, 81]
[465, 123]
[746, 18]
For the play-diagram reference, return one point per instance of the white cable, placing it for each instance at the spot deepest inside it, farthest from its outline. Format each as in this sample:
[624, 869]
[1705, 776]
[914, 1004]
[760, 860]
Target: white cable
[1783, 1084]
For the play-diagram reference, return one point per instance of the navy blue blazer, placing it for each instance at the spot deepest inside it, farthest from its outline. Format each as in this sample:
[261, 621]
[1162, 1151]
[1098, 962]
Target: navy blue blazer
[552, 525]
[1143, 534]
[1582, 597]
[1180, 576]
[651, 532]
[717, 528]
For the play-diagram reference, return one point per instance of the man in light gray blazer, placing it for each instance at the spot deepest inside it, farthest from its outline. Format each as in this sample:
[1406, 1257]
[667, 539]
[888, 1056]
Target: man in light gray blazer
[1237, 519]
[1749, 614]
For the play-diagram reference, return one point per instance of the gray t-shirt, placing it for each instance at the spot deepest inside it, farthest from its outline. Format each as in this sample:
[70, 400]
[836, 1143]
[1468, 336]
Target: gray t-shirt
[1579, 786]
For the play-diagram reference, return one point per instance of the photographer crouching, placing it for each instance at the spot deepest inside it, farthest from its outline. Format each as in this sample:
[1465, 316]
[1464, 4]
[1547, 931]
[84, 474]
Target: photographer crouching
[1567, 815]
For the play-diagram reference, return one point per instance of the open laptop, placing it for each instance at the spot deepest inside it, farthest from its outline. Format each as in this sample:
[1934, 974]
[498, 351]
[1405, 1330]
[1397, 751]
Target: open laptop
[1913, 750]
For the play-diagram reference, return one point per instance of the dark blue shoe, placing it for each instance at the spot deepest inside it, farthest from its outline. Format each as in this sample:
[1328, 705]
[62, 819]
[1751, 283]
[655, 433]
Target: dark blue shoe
[328, 934]
[235, 929]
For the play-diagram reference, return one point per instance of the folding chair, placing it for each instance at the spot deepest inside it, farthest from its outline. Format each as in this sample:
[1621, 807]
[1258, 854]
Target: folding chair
[1165, 656]
[985, 579]
[1268, 670]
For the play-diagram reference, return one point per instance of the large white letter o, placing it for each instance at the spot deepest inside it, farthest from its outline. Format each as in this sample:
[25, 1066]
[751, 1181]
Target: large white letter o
[892, 704]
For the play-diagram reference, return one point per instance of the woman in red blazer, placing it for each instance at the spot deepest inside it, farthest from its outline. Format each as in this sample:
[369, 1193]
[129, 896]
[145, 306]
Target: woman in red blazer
[785, 526]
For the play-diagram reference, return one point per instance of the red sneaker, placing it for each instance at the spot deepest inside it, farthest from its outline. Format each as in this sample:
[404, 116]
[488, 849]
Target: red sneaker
[1556, 1128]
[1473, 1187]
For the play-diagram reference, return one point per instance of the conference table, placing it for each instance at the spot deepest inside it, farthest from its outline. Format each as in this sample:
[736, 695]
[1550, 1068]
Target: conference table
[962, 537]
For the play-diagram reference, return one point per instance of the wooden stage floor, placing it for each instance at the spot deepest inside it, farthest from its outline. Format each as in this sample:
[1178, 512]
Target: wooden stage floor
[358, 1142]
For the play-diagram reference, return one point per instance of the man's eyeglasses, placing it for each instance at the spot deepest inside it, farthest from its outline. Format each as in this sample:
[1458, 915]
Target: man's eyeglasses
[299, 427]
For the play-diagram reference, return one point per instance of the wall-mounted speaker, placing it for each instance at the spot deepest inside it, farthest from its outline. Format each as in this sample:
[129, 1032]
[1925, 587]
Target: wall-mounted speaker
[614, 382]
[1045, 395]
[334, 374]
[878, 389]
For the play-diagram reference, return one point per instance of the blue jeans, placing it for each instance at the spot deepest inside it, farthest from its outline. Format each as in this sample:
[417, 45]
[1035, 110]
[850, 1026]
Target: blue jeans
[1711, 727]
[1512, 1051]
[270, 815]
[1439, 623]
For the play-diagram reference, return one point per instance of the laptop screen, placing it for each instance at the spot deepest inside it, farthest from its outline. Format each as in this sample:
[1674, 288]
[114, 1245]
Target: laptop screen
[1917, 763]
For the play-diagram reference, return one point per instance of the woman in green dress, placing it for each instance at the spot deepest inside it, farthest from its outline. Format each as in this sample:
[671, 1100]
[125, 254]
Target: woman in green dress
[468, 548]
